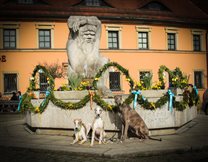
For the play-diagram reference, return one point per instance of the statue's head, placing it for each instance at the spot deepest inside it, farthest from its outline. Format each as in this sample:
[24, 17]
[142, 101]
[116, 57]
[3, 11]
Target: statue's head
[87, 33]
[83, 45]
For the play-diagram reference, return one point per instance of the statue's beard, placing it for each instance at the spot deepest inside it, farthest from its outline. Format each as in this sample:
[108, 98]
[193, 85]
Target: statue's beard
[86, 46]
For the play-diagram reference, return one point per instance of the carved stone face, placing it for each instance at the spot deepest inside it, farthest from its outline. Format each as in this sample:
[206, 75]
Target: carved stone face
[87, 33]
[89, 36]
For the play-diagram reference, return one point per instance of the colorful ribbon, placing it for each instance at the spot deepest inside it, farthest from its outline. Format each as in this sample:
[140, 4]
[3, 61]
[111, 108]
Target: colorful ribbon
[91, 94]
[136, 93]
[196, 90]
[20, 103]
[171, 95]
[47, 94]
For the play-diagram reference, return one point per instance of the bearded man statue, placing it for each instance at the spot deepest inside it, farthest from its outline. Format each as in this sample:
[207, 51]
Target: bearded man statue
[83, 46]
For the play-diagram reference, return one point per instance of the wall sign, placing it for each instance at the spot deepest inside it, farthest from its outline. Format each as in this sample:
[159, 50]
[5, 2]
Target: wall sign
[3, 58]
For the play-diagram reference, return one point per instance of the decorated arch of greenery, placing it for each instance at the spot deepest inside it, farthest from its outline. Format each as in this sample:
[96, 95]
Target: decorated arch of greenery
[190, 97]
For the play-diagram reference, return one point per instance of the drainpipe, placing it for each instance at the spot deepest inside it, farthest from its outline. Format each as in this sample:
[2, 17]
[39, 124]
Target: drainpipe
[207, 54]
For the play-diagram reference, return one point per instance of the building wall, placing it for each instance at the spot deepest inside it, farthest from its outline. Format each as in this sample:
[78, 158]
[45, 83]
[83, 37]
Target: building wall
[27, 55]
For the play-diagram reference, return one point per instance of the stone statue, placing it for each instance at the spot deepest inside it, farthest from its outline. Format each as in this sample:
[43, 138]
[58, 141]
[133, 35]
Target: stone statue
[83, 46]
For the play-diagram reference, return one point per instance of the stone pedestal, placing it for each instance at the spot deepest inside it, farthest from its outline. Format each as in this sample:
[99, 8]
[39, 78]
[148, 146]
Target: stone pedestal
[70, 95]
[160, 121]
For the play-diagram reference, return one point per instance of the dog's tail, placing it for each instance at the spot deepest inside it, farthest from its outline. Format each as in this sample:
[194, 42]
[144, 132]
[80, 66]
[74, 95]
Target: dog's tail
[156, 139]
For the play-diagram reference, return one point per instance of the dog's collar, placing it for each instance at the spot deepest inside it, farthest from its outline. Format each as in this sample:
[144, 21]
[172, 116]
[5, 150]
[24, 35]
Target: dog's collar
[120, 104]
[97, 117]
[77, 130]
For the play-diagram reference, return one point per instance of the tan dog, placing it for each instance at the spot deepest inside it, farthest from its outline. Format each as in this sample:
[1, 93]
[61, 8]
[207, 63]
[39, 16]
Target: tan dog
[131, 119]
[80, 132]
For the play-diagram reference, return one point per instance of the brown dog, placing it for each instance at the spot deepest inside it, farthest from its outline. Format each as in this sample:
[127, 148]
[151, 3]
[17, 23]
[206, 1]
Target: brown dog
[131, 119]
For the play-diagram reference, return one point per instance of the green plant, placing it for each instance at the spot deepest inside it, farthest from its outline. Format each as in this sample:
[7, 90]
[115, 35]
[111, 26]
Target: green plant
[180, 81]
[64, 87]
[147, 80]
[32, 85]
[157, 86]
[84, 85]
[74, 81]
[177, 78]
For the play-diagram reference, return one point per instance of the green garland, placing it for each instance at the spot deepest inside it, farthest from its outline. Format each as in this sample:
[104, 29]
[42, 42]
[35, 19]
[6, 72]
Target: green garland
[50, 78]
[119, 67]
[178, 80]
[70, 105]
[26, 100]
[189, 98]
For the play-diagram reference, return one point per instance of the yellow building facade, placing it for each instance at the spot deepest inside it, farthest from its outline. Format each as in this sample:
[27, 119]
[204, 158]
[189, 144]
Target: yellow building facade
[137, 46]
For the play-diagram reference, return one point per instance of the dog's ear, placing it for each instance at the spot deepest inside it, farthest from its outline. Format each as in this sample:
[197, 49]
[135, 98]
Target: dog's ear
[101, 111]
[74, 120]
[80, 120]
[118, 97]
[95, 109]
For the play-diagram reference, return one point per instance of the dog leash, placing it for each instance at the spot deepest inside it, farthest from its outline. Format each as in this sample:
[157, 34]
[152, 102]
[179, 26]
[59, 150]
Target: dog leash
[113, 138]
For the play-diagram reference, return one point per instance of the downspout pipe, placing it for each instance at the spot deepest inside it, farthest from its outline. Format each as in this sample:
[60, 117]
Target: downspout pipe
[207, 55]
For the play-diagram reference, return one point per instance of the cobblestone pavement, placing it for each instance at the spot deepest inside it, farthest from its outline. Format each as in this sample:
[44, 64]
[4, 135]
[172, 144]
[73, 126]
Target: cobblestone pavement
[17, 145]
[31, 155]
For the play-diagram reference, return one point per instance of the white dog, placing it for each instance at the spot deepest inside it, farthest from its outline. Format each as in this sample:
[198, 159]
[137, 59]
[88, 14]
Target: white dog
[98, 127]
[80, 131]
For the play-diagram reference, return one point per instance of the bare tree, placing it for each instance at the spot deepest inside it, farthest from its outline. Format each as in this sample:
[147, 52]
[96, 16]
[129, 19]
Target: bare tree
[55, 69]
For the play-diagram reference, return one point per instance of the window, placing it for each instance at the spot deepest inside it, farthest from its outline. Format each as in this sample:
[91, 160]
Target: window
[45, 35]
[9, 38]
[154, 5]
[44, 38]
[113, 40]
[144, 36]
[198, 79]
[114, 36]
[43, 82]
[143, 40]
[92, 2]
[114, 79]
[197, 42]
[171, 41]
[172, 34]
[9, 35]
[10, 83]
[25, 1]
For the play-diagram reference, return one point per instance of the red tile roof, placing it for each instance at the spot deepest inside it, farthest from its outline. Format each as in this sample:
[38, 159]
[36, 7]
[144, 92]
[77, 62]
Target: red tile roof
[183, 12]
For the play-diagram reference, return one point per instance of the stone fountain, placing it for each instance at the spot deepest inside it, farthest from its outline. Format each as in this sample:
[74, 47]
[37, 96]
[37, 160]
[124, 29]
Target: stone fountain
[84, 59]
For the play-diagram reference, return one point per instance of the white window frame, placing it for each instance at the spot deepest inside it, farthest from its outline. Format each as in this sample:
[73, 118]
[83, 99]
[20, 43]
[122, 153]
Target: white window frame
[173, 31]
[9, 25]
[48, 26]
[144, 29]
[114, 28]
[200, 33]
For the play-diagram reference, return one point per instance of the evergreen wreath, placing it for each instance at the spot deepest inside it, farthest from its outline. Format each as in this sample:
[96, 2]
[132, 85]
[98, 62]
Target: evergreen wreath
[189, 98]
[119, 67]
